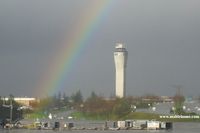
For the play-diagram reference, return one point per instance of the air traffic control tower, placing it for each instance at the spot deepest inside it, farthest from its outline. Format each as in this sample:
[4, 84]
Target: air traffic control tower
[120, 58]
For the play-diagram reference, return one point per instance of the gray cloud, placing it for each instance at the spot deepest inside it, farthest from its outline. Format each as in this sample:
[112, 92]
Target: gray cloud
[162, 38]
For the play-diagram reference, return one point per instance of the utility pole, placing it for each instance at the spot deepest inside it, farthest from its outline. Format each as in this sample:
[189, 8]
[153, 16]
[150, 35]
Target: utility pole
[9, 106]
[11, 110]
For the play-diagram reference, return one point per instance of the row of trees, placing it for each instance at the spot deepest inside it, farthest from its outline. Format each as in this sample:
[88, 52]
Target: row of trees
[59, 101]
[109, 109]
[94, 105]
[76, 99]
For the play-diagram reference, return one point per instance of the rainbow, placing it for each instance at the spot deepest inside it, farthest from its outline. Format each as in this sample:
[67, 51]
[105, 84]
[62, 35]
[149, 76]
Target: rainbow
[53, 79]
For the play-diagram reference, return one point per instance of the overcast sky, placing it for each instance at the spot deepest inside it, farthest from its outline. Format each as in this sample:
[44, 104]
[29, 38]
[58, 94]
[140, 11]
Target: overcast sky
[162, 38]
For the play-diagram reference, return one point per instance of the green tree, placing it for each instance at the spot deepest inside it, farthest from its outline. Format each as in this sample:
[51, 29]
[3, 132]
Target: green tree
[93, 95]
[77, 98]
[98, 107]
[198, 99]
[59, 95]
[64, 96]
[178, 104]
[178, 101]
[94, 104]
[121, 108]
[1, 101]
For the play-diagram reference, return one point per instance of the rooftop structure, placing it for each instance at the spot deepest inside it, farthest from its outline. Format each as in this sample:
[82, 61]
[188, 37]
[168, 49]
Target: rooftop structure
[23, 100]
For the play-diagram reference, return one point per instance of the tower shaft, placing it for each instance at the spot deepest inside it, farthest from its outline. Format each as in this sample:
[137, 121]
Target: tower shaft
[120, 58]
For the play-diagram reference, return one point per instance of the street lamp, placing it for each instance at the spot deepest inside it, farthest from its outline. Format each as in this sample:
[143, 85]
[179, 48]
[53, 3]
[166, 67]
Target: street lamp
[11, 110]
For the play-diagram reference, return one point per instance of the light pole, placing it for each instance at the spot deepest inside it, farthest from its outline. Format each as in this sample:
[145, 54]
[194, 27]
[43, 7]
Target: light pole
[11, 110]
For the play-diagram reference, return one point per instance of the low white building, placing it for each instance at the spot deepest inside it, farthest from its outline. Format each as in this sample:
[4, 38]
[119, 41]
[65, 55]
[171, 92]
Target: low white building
[26, 101]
